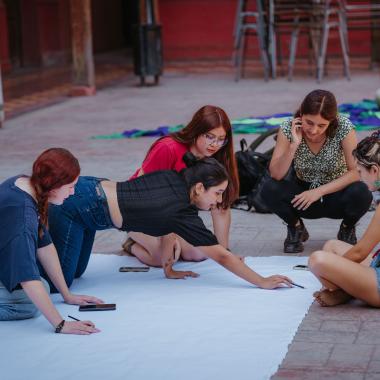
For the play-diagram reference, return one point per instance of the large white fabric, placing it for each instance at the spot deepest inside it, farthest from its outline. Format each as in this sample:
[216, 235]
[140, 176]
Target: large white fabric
[216, 326]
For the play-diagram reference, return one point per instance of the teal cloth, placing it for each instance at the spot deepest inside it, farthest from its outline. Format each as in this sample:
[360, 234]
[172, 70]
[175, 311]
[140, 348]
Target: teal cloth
[365, 115]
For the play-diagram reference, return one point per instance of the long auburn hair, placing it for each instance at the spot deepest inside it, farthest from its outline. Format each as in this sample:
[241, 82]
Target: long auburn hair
[52, 169]
[203, 121]
[321, 102]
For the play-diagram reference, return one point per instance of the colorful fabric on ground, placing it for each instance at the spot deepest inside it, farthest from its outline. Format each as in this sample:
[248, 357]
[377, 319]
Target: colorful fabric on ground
[365, 115]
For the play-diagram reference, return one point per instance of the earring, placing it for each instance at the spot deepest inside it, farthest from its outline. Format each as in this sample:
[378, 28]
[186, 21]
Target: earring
[377, 184]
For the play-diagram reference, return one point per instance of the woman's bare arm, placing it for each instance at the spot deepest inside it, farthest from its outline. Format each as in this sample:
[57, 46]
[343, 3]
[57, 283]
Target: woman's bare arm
[238, 267]
[367, 243]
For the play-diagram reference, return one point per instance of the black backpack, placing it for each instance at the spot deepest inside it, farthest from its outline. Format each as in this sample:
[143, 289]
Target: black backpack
[253, 171]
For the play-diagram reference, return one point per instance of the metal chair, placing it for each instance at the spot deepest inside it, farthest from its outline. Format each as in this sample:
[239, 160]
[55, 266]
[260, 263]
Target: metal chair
[316, 18]
[288, 17]
[332, 18]
[249, 22]
[358, 15]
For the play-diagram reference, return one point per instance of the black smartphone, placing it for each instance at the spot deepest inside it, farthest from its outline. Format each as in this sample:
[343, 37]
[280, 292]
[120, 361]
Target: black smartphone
[99, 307]
[301, 267]
[134, 269]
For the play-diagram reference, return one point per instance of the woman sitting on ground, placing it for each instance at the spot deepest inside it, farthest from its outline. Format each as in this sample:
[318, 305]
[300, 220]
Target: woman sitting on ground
[162, 204]
[318, 143]
[209, 134]
[347, 271]
[24, 238]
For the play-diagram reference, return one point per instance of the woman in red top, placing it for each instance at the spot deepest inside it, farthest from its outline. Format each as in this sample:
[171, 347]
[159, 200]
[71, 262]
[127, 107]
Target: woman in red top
[209, 133]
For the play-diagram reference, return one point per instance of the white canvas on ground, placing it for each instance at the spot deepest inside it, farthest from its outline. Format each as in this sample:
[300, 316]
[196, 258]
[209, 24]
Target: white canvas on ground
[216, 326]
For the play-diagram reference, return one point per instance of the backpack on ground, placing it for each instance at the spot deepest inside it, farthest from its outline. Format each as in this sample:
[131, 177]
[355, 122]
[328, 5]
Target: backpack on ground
[253, 171]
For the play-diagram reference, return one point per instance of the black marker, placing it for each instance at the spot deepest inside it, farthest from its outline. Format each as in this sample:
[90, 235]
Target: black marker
[300, 286]
[75, 319]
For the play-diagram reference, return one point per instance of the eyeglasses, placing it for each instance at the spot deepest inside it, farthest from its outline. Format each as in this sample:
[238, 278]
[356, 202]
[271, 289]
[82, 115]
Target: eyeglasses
[214, 140]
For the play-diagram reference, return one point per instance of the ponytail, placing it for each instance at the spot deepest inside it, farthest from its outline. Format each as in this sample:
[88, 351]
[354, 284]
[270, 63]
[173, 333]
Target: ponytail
[208, 171]
[52, 169]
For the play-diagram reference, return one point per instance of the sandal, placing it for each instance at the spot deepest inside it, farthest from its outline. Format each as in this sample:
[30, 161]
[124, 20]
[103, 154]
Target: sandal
[127, 246]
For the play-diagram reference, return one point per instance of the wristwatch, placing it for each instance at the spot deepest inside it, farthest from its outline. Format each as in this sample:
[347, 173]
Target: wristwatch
[59, 327]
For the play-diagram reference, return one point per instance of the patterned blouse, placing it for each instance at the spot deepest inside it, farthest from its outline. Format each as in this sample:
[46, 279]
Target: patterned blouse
[328, 164]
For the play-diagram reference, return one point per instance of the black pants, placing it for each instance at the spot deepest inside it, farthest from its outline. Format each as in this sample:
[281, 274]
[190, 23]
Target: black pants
[349, 204]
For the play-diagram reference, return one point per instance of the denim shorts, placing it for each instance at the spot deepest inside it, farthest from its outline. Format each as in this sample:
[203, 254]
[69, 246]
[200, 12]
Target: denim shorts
[89, 204]
[375, 264]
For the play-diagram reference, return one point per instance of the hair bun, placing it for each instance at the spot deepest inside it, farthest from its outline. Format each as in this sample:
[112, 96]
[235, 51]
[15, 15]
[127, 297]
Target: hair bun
[189, 159]
[376, 134]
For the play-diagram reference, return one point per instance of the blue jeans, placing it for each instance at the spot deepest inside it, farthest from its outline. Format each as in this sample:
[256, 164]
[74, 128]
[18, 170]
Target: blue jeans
[17, 305]
[73, 225]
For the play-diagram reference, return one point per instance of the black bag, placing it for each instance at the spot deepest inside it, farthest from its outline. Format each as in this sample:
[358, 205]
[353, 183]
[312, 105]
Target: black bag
[253, 172]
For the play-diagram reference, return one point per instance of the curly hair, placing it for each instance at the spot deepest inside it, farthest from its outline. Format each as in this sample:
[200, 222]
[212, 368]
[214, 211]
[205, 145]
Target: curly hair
[367, 151]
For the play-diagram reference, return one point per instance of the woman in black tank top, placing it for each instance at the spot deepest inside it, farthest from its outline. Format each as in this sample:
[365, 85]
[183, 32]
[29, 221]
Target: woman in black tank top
[162, 204]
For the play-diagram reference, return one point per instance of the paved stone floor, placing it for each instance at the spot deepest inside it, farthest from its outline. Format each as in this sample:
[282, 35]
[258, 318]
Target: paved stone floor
[341, 342]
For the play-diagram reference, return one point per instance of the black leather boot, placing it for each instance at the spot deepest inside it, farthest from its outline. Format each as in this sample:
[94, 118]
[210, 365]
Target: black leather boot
[296, 236]
[347, 234]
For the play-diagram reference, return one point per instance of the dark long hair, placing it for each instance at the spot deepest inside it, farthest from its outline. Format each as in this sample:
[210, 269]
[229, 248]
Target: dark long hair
[204, 120]
[367, 151]
[207, 170]
[52, 169]
[321, 102]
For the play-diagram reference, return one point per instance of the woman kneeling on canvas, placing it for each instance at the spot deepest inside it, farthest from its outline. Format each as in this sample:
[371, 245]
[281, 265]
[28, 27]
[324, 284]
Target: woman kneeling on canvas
[24, 238]
[162, 204]
[347, 271]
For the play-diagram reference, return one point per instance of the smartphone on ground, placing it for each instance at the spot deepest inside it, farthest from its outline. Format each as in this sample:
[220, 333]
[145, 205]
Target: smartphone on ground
[134, 269]
[98, 307]
[301, 267]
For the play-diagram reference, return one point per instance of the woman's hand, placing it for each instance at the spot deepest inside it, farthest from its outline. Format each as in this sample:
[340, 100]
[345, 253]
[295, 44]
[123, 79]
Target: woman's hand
[76, 299]
[179, 274]
[276, 281]
[296, 131]
[79, 328]
[304, 200]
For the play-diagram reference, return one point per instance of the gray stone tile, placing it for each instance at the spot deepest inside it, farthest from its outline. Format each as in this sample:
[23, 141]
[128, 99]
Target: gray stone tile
[372, 376]
[351, 311]
[309, 374]
[309, 324]
[350, 357]
[348, 327]
[307, 355]
[369, 333]
[325, 337]
[374, 366]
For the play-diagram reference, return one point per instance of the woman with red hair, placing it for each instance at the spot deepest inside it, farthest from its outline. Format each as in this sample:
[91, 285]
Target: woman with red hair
[24, 238]
[209, 134]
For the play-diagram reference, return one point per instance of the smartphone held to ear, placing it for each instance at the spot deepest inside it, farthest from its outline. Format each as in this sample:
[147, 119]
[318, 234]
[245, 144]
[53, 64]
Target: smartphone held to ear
[98, 307]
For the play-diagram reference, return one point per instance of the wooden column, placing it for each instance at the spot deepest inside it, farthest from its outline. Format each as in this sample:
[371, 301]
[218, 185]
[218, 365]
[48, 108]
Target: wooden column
[83, 59]
[2, 112]
[4, 39]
